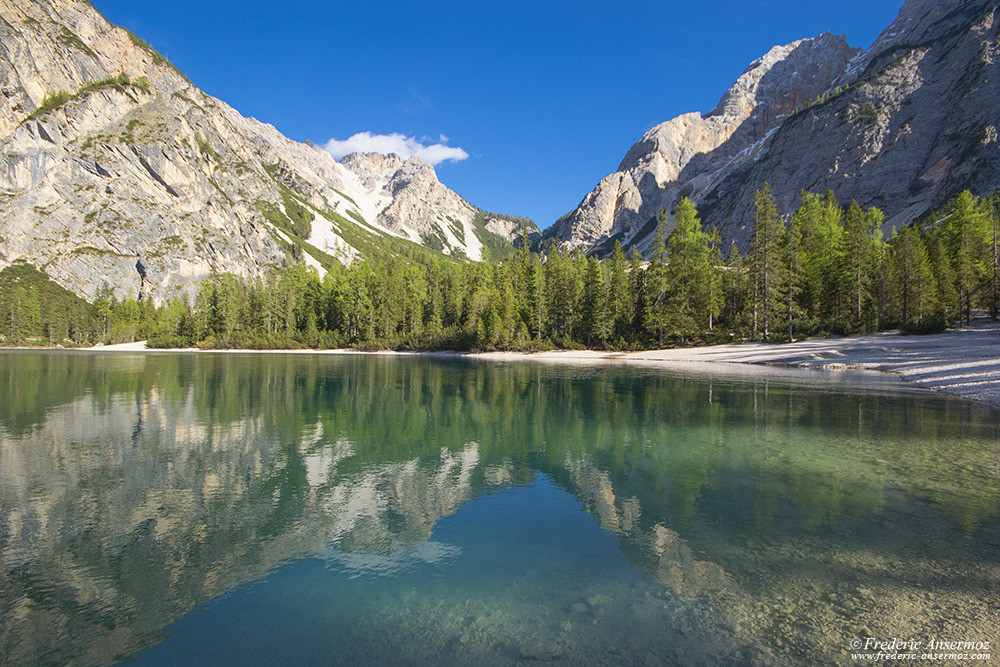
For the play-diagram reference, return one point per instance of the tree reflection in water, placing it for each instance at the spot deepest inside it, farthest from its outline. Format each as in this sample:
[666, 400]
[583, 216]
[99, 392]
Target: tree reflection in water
[136, 488]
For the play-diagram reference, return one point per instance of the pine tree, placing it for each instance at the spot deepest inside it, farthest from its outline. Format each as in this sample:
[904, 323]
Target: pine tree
[619, 299]
[855, 258]
[560, 274]
[594, 304]
[993, 245]
[688, 272]
[944, 276]
[829, 260]
[537, 290]
[637, 288]
[656, 301]
[735, 290]
[796, 277]
[807, 222]
[913, 280]
[715, 294]
[767, 269]
[966, 241]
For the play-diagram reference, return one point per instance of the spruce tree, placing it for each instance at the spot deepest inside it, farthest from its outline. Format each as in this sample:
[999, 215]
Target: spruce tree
[913, 280]
[944, 276]
[688, 272]
[966, 241]
[993, 245]
[637, 284]
[767, 269]
[855, 258]
[657, 306]
[594, 304]
[619, 299]
[796, 277]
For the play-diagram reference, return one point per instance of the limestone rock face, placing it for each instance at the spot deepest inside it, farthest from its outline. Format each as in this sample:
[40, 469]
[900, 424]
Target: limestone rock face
[110, 153]
[915, 125]
[689, 155]
[408, 199]
[903, 126]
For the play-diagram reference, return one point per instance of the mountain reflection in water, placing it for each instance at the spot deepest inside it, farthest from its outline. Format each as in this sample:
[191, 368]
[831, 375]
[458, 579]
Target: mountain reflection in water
[135, 489]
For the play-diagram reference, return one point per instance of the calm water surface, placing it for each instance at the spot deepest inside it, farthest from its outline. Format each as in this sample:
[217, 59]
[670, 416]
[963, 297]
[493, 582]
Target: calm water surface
[276, 509]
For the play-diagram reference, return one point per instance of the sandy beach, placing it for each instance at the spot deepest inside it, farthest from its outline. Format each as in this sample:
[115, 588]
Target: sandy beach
[962, 362]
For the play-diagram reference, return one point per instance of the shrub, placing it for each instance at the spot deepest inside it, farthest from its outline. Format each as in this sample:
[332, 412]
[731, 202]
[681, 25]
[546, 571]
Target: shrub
[932, 324]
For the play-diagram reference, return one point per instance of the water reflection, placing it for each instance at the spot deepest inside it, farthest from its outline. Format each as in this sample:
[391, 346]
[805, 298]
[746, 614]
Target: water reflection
[136, 488]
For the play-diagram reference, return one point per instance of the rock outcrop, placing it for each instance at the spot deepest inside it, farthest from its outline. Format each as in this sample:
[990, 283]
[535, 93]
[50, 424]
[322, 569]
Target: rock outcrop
[902, 126]
[408, 199]
[689, 155]
[110, 153]
[915, 124]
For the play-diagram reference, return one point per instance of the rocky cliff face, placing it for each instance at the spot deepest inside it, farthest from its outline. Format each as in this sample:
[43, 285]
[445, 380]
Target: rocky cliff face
[408, 199]
[689, 155]
[110, 153]
[902, 126]
[915, 124]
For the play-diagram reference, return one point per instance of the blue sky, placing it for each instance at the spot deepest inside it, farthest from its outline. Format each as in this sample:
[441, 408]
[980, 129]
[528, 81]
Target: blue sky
[543, 97]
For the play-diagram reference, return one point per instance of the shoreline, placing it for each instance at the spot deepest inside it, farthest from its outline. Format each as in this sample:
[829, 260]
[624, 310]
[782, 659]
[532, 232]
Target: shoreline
[960, 362]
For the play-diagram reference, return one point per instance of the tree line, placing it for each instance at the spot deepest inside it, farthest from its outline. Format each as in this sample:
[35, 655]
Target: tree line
[824, 269]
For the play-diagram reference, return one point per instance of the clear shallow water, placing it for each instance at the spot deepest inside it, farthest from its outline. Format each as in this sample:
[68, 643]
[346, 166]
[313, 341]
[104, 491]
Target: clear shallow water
[261, 509]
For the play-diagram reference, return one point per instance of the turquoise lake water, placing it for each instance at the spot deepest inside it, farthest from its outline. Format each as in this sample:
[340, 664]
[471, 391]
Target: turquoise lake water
[183, 508]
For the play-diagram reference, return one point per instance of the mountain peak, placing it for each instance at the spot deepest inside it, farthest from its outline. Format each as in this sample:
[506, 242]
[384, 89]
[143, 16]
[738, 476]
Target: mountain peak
[110, 152]
[686, 155]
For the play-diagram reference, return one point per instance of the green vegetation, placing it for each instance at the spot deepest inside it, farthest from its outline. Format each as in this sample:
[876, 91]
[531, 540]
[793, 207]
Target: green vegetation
[345, 197]
[206, 148]
[827, 269]
[59, 98]
[35, 310]
[128, 136]
[50, 103]
[496, 247]
[298, 213]
[71, 39]
[273, 214]
[865, 112]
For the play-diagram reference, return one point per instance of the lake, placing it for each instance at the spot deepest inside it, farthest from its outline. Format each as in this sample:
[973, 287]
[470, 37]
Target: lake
[200, 508]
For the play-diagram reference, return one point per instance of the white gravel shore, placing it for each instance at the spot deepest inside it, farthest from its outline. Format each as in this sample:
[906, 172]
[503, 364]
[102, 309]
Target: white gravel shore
[962, 362]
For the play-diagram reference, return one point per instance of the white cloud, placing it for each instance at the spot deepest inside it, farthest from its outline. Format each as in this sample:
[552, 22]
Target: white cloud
[403, 146]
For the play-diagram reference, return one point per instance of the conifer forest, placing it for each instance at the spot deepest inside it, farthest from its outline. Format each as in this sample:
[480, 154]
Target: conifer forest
[824, 269]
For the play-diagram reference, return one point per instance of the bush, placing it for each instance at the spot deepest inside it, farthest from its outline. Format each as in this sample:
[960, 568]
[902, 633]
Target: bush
[932, 324]
[167, 341]
[208, 343]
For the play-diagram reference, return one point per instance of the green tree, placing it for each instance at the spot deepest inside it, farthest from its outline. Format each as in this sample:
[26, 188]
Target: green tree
[795, 257]
[620, 300]
[637, 287]
[855, 258]
[993, 253]
[561, 278]
[913, 281]
[944, 277]
[767, 270]
[688, 272]
[594, 317]
[966, 234]
[657, 303]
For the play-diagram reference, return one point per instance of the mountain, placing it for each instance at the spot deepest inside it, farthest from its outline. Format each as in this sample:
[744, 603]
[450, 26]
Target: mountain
[406, 198]
[110, 153]
[903, 126]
